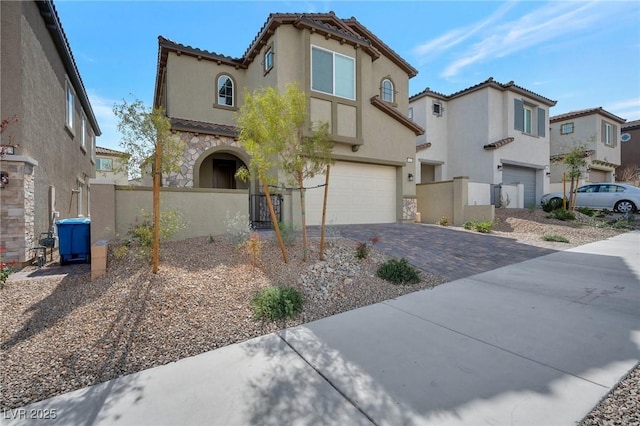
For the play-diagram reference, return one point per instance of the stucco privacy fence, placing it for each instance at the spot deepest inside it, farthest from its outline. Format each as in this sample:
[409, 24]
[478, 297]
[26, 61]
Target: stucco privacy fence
[115, 208]
[460, 200]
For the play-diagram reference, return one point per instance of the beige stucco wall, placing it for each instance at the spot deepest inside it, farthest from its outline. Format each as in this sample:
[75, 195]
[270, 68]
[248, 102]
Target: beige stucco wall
[204, 210]
[435, 200]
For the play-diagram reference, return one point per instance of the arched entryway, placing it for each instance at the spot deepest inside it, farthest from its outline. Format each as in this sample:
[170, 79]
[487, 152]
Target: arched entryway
[216, 168]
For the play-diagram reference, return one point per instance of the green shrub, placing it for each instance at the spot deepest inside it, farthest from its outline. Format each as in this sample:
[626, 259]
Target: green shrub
[287, 234]
[171, 221]
[238, 229]
[586, 211]
[563, 215]
[555, 238]
[362, 251]
[483, 227]
[399, 272]
[275, 302]
[444, 221]
[551, 205]
[625, 222]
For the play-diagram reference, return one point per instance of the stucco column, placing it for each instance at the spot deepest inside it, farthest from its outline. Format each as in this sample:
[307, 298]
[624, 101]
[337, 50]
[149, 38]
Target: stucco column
[460, 198]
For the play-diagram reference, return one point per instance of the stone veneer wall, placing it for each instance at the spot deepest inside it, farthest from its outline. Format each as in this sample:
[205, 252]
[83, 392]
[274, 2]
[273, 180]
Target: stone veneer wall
[17, 211]
[409, 208]
[196, 145]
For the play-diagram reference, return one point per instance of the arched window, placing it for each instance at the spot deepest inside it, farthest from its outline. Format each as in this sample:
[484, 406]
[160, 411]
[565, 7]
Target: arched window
[225, 90]
[387, 90]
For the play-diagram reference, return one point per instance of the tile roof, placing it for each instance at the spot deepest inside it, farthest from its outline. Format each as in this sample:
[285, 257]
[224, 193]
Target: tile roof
[54, 25]
[393, 113]
[423, 146]
[497, 144]
[631, 125]
[100, 150]
[560, 157]
[585, 112]
[203, 127]
[490, 82]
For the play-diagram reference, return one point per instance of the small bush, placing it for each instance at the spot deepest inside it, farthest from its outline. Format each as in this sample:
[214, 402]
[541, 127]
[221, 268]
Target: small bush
[238, 229]
[171, 221]
[444, 221]
[531, 207]
[586, 211]
[121, 252]
[362, 251]
[275, 302]
[563, 215]
[625, 222]
[287, 234]
[253, 247]
[399, 272]
[5, 271]
[211, 239]
[483, 227]
[551, 205]
[555, 238]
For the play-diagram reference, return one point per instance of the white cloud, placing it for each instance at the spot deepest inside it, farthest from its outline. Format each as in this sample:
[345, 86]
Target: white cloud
[628, 109]
[457, 36]
[103, 110]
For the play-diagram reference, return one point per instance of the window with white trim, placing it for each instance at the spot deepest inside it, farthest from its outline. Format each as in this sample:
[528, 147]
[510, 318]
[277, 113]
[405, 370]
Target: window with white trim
[104, 164]
[83, 135]
[437, 108]
[386, 90]
[333, 73]
[608, 134]
[268, 60]
[70, 106]
[566, 128]
[528, 116]
[410, 114]
[225, 90]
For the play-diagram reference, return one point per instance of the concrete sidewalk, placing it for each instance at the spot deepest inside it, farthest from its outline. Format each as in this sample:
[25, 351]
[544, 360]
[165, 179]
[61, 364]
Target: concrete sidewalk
[537, 342]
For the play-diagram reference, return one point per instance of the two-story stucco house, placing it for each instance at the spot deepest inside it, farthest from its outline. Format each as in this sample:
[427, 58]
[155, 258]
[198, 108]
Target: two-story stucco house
[53, 141]
[111, 166]
[492, 132]
[353, 80]
[598, 131]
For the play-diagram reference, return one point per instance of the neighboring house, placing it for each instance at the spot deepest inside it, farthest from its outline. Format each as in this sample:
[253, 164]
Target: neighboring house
[111, 166]
[493, 133]
[598, 131]
[629, 169]
[53, 142]
[353, 80]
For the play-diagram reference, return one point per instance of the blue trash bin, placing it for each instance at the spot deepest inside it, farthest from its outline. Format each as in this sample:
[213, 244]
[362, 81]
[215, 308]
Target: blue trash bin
[74, 239]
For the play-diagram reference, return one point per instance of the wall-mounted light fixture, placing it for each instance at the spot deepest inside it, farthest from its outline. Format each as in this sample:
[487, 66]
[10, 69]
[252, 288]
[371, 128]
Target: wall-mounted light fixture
[499, 166]
[409, 159]
[410, 177]
[7, 149]
[4, 179]
[548, 174]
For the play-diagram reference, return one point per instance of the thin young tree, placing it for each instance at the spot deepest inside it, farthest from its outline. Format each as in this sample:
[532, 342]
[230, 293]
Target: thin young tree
[149, 143]
[576, 162]
[263, 129]
[306, 152]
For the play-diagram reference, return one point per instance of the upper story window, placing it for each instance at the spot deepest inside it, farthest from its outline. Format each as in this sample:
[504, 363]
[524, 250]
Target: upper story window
[333, 73]
[437, 108]
[268, 60]
[70, 107]
[92, 147]
[386, 90]
[566, 128]
[225, 91]
[83, 135]
[104, 164]
[529, 119]
[410, 114]
[607, 134]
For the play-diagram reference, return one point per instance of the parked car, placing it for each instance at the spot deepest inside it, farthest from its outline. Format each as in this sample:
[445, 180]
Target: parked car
[618, 197]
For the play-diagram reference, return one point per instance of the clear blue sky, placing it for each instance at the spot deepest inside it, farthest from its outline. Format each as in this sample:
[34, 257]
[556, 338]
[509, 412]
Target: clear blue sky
[581, 54]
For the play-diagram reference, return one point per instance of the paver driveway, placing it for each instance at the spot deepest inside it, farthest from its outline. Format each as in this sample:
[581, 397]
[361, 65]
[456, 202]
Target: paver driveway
[449, 253]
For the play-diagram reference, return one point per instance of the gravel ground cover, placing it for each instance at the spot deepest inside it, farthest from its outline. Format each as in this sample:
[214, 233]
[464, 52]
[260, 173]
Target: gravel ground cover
[61, 333]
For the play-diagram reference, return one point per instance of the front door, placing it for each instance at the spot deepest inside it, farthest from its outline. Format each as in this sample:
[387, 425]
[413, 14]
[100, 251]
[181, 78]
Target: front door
[224, 172]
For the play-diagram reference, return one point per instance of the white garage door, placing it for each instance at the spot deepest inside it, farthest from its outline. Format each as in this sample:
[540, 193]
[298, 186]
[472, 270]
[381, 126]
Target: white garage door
[525, 176]
[358, 193]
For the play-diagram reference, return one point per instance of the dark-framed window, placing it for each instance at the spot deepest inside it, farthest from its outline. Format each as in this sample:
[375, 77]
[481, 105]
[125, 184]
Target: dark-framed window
[225, 91]
[566, 128]
[386, 90]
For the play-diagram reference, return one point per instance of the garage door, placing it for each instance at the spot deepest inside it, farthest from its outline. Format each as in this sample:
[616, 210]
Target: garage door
[525, 176]
[358, 193]
[597, 175]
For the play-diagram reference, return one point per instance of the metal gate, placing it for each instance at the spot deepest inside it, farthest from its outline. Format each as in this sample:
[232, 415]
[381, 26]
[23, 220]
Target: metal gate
[259, 210]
